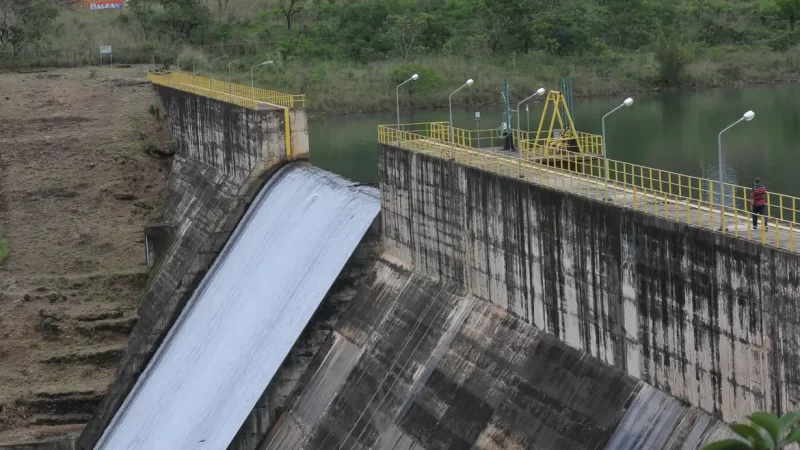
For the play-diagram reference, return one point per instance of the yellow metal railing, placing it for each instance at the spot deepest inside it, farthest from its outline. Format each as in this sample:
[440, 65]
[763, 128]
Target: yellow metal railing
[490, 138]
[168, 81]
[585, 143]
[179, 83]
[229, 92]
[683, 198]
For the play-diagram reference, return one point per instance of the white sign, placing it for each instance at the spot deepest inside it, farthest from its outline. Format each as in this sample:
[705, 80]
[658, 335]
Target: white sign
[98, 6]
[105, 49]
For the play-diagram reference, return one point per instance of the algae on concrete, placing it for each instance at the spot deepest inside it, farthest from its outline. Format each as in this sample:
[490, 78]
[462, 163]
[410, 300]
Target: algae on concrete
[4, 251]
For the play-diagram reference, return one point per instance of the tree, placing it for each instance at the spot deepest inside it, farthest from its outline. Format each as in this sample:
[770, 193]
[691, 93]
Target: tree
[631, 22]
[498, 18]
[222, 7]
[291, 8]
[184, 20]
[142, 10]
[788, 10]
[404, 30]
[24, 21]
[766, 432]
[671, 60]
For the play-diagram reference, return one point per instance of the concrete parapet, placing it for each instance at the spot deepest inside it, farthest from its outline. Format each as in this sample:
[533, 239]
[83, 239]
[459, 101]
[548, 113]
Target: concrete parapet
[707, 318]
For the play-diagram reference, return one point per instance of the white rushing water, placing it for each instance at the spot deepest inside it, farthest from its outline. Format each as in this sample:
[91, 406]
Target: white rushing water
[245, 316]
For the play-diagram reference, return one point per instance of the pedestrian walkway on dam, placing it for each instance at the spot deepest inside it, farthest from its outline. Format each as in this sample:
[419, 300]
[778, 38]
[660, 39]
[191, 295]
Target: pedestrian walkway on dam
[580, 168]
[241, 95]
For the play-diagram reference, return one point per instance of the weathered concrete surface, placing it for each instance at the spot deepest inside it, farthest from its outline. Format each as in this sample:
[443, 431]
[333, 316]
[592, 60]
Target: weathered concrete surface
[419, 364]
[231, 138]
[217, 171]
[707, 318]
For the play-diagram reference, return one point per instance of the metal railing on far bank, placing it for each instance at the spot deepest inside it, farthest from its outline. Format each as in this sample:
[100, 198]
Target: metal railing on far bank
[697, 201]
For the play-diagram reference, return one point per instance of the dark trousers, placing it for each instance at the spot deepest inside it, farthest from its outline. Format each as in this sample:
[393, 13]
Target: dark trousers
[760, 210]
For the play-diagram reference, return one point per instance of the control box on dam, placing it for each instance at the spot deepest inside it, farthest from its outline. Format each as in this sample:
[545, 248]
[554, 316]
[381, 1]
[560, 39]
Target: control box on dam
[454, 308]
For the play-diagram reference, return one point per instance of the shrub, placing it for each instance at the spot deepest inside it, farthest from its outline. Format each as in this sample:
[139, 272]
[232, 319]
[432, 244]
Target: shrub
[429, 80]
[671, 61]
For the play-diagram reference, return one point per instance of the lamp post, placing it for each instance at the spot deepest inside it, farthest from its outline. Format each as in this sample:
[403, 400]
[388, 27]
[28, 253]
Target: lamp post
[414, 77]
[528, 115]
[252, 77]
[194, 72]
[450, 101]
[209, 68]
[540, 91]
[628, 102]
[230, 83]
[747, 117]
[177, 60]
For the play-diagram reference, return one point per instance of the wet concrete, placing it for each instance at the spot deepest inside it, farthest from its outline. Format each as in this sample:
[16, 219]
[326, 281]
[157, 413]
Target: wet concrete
[710, 319]
[225, 153]
[420, 364]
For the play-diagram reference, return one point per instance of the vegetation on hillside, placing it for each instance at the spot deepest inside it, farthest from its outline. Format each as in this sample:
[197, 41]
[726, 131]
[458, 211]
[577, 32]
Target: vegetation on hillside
[335, 50]
[3, 247]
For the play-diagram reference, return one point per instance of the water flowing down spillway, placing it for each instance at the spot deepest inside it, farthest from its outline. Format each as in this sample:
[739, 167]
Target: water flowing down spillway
[247, 313]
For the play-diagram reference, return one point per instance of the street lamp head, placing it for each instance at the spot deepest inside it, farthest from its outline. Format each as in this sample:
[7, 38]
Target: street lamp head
[749, 115]
[415, 77]
[469, 82]
[628, 101]
[267, 62]
[540, 91]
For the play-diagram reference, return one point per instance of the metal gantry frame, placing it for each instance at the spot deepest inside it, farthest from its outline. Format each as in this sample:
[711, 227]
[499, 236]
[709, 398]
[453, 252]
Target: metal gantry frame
[560, 114]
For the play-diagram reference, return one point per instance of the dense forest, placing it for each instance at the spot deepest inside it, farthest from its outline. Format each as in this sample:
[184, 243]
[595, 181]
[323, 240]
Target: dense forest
[608, 46]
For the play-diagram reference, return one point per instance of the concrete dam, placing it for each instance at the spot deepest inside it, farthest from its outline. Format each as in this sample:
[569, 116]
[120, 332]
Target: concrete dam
[455, 307]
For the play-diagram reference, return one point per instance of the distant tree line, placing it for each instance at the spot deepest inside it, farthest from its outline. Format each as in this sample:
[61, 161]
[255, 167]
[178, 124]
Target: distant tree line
[370, 30]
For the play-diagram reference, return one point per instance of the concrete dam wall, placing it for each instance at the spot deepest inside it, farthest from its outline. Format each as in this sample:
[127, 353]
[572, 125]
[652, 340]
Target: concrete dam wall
[224, 154]
[709, 319]
[417, 364]
[244, 318]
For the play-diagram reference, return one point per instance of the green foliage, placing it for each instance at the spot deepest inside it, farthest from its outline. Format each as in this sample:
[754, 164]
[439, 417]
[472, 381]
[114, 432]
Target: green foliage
[766, 432]
[429, 80]
[607, 45]
[788, 10]
[373, 30]
[25, 21]
[671, 60]
[176, 20]
[3, 247]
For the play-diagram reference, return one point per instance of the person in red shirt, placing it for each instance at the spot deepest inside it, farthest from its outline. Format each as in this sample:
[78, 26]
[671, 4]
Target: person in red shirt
[758, 203]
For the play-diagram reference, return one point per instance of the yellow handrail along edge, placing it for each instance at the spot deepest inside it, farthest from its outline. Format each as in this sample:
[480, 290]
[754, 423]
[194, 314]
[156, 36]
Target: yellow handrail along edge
[241, 95]
[678, 197]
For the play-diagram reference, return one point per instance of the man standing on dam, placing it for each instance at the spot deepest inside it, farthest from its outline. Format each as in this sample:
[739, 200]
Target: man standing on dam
[758, 203]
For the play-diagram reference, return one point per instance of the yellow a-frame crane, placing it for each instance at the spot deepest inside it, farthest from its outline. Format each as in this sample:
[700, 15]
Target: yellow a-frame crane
[567, 137]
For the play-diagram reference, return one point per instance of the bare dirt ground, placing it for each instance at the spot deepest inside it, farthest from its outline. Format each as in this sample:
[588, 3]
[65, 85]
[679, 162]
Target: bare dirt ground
[76, 188]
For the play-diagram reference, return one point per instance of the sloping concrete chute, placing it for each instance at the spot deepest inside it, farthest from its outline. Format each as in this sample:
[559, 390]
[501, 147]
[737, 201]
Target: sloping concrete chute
[247, 313]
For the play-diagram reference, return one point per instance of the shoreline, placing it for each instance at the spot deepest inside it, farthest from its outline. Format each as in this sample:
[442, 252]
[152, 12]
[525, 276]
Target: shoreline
[315, 113]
